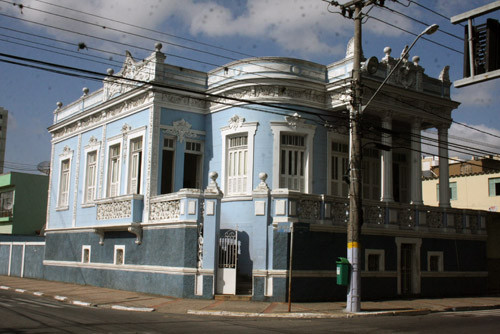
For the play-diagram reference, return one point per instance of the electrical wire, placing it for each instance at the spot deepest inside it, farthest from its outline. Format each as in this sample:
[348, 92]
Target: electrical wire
[420, 22]
[140, 36]
[428, 9]
[414, 34]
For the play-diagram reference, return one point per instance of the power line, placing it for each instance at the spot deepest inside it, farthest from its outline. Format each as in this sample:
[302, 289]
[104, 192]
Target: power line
[140, 36]
[92, 75]
[414, 34]
[421, 22]
[99, 76]
[426, 8]
[445, 118]
[149, 30]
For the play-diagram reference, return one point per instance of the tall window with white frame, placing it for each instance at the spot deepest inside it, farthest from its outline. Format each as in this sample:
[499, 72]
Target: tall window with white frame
[237, 160]
[167, 165]
[64, 184]
[292, 162]
[114, 170]
[371, 174]
[339, 169]
[135, 166]
[193, 157]
[91, 177]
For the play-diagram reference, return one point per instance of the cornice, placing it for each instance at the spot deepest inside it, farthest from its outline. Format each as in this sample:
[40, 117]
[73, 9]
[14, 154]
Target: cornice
[101, 114]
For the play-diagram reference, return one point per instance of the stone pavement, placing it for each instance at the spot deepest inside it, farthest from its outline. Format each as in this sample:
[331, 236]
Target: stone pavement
[90, 296]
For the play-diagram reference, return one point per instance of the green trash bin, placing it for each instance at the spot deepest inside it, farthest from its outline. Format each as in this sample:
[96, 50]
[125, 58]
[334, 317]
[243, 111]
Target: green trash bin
[342, 271]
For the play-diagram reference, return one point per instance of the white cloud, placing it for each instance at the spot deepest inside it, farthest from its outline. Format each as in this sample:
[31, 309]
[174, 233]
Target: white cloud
[465, 142]
[294, 25]
[478, 95]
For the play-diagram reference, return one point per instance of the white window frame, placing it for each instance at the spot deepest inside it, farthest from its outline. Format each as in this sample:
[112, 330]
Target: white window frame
[439, 254]
[86, 248]
[116, 249]
[66, 155]
[110, 143]
[89, 149]
[201, 153]
[298, 129]
[174, 150]
[133, 135]
[250, 128]
[381, 258]
[342, 140]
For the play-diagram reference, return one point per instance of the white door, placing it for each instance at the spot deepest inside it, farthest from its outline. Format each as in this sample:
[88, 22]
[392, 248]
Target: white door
[227, 263]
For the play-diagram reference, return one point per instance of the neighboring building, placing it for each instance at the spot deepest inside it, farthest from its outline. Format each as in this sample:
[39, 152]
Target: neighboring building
[3, 136]
[188, 184]
[474, 184]
[23, 203]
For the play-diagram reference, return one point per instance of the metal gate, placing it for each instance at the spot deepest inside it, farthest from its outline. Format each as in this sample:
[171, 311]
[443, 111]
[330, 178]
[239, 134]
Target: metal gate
[227, 263]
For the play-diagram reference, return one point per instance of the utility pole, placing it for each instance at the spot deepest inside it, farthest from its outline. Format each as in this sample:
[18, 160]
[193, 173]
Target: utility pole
[355, 196]
[353, 9]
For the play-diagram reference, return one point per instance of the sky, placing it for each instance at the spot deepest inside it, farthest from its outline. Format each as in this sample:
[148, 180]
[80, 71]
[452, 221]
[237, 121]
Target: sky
[202, 35]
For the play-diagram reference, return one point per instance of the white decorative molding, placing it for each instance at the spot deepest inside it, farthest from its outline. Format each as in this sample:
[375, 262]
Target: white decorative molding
[181, 129]
[114, 210]
[102, 115]
[236, 122]
[93, 141]
[66, 153]
[295, 120]
[274, 92]
[161, 210]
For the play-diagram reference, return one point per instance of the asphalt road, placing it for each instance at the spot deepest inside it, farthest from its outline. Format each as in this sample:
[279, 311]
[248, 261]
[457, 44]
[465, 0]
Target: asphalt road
[21, 313]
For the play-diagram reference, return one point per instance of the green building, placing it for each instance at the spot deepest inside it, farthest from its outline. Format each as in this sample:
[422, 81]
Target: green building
[23, 203]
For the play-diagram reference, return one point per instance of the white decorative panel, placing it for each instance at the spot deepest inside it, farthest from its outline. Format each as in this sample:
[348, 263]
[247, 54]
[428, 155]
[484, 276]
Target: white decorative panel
[280, 207]
[260, 208]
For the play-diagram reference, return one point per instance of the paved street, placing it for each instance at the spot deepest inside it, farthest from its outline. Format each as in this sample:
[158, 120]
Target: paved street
[31, 314]
[37, 306]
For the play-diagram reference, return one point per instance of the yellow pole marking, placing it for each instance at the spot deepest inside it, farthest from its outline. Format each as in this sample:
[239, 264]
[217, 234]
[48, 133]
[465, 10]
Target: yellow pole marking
[353, 244]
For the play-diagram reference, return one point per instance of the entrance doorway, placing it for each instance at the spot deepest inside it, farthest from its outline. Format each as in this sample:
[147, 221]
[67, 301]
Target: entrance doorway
[227, 262]
[406, 269]
[408, 265]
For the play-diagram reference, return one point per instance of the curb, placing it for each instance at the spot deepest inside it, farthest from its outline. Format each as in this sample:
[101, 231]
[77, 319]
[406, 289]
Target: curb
[470, 308]
[310, 315]
[135, 309]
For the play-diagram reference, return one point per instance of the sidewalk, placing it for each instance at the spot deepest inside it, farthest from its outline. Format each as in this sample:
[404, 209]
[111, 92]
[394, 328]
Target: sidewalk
[91, 296]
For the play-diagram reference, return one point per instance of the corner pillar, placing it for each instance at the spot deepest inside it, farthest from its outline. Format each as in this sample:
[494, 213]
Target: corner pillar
[444, 171]
[416, 163]
[386, 181]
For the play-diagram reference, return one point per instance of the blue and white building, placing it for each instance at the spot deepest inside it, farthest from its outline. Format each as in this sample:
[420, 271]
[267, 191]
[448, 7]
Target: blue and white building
[185, 183]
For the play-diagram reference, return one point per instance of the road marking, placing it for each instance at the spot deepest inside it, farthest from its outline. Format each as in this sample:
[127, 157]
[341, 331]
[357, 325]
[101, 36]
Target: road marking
[20, 290]
[60, 298]
[37, 303]
[3, 287]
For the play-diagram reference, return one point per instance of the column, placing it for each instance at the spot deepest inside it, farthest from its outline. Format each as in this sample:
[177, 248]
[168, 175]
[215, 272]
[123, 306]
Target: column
[206, 283]
[444, 172]
[386, 182]
[416, 163]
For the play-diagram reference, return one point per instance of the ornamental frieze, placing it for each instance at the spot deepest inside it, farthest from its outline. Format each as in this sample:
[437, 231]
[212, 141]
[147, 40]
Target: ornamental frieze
[114, 210]
[262, 91]
[96, 118]
[183, 100]
[164, 210]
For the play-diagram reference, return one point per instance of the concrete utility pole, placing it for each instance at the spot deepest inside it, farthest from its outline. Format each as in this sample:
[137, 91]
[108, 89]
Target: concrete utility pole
[356, 110]
[355, 197]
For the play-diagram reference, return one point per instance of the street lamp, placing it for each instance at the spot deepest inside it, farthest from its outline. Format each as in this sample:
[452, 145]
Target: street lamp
[355, 198]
